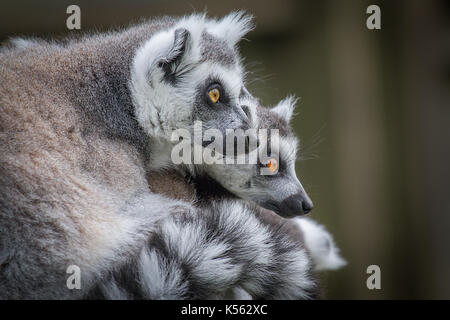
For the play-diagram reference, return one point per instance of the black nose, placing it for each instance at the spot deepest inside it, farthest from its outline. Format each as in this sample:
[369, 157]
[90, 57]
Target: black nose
[307, 205]
[297, 204]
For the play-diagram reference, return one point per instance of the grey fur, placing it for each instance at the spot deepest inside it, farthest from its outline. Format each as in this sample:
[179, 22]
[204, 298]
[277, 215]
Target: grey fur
[73, 185]
[72, 162]
[206, 254]
[214, 49]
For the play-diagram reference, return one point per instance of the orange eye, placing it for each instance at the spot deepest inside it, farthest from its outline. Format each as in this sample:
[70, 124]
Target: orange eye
[214, 95]
[272, 165]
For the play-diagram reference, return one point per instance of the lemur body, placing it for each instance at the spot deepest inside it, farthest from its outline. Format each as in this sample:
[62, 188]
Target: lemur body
[75, 123]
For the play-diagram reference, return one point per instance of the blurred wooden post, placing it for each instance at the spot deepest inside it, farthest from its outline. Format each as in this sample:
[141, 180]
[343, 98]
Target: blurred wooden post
[426, 95]
[359, 146]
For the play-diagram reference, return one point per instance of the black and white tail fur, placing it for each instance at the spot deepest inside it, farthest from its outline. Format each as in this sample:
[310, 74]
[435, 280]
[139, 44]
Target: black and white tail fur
[204, 254]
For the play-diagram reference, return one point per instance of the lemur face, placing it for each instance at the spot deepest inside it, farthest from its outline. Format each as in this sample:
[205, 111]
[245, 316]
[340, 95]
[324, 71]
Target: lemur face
[281, 191]
[192, 72]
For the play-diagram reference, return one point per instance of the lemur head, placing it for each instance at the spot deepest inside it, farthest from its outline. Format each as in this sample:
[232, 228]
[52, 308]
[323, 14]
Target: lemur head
[280, 191]
[192, 71]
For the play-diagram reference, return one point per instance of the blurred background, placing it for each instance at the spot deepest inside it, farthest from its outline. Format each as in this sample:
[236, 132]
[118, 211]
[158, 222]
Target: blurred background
[374, 119]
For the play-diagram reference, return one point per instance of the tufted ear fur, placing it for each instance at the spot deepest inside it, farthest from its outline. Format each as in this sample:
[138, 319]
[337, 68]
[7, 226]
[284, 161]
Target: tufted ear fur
[172, 60]
[285, 108]
[233, 27]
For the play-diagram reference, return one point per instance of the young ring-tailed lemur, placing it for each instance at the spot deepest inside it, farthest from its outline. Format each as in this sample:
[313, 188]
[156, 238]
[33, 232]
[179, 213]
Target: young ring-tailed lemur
[215, 182]
[180, 270]
[75, 120]
[242, 180]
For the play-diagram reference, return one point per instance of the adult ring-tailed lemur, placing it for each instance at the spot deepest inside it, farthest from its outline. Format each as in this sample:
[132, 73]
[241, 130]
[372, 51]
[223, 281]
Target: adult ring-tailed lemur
[78, 121]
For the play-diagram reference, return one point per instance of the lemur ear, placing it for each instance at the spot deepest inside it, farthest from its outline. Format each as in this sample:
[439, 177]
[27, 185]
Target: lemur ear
[233, 27]
[285, 108]
[172, 60]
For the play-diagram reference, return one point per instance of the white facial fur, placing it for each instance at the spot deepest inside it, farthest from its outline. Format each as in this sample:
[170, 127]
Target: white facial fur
[162, 107]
